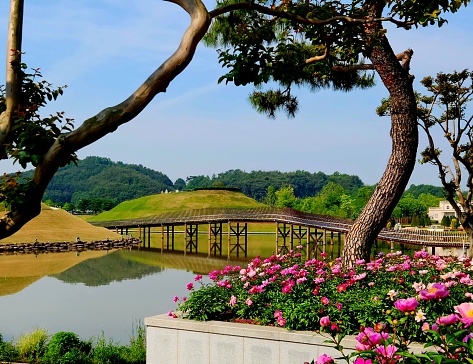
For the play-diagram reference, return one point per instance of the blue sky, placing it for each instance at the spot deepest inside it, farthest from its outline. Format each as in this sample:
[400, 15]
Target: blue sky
[103, 49]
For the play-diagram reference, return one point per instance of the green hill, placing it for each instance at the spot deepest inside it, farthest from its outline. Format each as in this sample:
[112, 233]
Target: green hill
[173, 202]
[100, 178]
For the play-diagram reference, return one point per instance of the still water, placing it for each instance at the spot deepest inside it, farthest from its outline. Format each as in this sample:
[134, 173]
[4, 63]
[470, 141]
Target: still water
[95, 293]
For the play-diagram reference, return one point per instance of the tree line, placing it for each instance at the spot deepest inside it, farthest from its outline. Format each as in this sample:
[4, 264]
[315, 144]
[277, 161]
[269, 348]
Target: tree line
[98, 184]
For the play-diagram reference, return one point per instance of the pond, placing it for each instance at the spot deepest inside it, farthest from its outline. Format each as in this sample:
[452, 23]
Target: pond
[95, 292]
[92, 292]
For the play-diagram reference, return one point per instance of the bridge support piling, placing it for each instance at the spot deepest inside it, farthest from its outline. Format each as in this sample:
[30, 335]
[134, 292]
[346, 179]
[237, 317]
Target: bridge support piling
[238, 232]
[215, 234]
[192, 237]
[283, 231]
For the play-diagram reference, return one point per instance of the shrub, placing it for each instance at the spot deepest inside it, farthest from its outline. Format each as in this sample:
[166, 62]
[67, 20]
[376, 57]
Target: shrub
[111, 353]
[107, 352]
[8, 351]
[32, 346]
[67, 348]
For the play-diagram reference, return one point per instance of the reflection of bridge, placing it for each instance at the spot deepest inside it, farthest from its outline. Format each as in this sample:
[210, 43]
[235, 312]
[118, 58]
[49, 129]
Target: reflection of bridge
[316, 233]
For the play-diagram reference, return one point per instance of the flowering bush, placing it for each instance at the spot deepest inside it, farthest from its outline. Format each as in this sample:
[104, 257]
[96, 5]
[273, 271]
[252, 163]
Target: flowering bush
[387, 303]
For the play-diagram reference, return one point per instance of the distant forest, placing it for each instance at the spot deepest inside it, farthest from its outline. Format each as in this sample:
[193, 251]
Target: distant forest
[96, 178]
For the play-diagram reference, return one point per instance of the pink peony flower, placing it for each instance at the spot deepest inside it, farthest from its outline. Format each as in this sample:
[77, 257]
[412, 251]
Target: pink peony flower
[447, 320]
[232, 300]
[325, 321]
[198, 277]
[248, 301]
[434, 291]
[277, 313]
[281, 321]
[386, 354]
[325, 359]
[325, 301]
[466, 312]
[363, 361]
[190, 286]
[406, 305]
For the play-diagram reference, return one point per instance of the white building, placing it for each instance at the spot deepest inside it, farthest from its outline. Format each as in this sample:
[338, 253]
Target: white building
[444, 209]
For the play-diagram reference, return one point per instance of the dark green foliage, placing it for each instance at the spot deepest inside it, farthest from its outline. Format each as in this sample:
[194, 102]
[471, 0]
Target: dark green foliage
[286, 51]
[31, 136]
[100, 178]
[255, 184]
[445, 221]
[8, 352]
[67, 348]
[179, 184]
[416, 190]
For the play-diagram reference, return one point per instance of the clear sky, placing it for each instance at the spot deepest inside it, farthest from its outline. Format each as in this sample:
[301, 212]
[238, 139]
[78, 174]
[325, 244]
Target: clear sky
[104, 49]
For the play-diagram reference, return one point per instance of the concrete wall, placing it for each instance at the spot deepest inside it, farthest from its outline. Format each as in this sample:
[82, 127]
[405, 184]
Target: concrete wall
[178, 341]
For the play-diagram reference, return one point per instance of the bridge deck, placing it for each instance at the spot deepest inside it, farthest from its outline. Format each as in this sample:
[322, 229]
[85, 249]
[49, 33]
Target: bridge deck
[293, 217]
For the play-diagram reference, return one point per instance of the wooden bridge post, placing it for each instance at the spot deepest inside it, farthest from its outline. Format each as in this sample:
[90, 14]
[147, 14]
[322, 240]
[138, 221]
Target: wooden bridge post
[332, 243]
[340, 243]
[162, 238]
[209, 239]
[185, 238]
[324, 248]
[229, 239]
[277, 238]
[308, 245]
[392, 247]
[149, 236]
[291, 239]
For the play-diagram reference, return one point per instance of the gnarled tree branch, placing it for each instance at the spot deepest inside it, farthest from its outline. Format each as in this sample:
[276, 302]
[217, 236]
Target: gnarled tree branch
[302, 20]
[109, 119]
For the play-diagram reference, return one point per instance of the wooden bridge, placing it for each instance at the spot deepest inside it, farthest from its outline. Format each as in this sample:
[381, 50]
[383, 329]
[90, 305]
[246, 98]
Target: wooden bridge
[315, 233]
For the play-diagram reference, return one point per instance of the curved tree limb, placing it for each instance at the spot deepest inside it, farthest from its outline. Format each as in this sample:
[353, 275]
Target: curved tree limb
[13, 66]
[109, 119]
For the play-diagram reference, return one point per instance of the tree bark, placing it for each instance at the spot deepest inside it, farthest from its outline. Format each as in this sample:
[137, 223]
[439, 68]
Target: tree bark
[108, 120]
[13, 67]
[404, 135]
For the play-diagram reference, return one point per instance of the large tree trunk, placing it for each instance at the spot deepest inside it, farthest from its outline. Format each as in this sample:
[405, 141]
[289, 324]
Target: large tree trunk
[404, 135]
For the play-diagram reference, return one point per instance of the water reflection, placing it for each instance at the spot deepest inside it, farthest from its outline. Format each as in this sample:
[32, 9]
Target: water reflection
[114, 267]
[103, 294]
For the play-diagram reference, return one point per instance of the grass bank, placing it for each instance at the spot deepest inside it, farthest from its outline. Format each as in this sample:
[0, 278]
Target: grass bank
[53, 225]
[174, 202]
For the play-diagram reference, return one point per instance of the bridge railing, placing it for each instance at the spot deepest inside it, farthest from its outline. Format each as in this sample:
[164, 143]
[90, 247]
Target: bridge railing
[290, 216]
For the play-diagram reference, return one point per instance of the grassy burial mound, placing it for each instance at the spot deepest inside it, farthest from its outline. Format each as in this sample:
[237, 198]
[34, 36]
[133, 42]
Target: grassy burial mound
[165, 203]
[56, 225]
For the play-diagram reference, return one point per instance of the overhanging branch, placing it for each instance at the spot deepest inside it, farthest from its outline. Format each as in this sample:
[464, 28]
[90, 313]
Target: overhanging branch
[302, 20]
